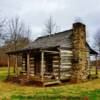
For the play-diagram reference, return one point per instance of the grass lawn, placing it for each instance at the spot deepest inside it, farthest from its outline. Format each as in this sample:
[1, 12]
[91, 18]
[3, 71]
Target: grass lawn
[12, 91]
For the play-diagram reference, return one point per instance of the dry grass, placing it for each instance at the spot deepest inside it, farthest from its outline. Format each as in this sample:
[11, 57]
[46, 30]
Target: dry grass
[8, 89]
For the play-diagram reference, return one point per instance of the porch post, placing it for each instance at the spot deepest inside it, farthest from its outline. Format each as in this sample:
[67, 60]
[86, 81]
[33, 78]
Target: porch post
[28, 64]
[96, 65]
[8, 64]
[42, 65]
[59, 69]
[16, 65]
[89, 65]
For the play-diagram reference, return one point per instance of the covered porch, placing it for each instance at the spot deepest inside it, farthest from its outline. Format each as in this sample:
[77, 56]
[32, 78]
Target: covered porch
[39, 66]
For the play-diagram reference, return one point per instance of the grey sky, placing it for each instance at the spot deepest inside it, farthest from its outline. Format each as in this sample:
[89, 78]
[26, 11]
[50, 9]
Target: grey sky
[64, 12]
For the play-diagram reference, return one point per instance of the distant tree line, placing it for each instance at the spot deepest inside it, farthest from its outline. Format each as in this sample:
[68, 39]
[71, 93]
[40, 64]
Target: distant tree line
[14, 34]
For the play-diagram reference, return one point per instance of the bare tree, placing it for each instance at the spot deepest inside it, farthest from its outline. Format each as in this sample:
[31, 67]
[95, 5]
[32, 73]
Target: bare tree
[16, 31]
[2, 26]
[50, 26]
[18, 35]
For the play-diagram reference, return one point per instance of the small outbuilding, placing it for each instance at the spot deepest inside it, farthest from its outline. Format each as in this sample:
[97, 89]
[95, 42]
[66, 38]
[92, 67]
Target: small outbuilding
[54, 58]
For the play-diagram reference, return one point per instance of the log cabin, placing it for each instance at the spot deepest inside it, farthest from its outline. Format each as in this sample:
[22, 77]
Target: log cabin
[51, 59]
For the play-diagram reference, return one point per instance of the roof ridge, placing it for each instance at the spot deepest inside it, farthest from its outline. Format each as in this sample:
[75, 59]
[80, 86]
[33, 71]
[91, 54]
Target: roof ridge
[45, 36]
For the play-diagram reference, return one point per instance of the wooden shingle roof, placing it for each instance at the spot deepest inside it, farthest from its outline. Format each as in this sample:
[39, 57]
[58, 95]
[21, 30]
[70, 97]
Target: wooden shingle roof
[58, 39]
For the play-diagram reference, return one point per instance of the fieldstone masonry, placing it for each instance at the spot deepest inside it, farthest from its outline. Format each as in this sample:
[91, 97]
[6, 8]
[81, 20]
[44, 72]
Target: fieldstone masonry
[80, 54]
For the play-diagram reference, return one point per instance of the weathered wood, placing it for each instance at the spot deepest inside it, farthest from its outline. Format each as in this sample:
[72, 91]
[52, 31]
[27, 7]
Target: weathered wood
[96, 66]
[66, 53]
[28, 64]
[56, 66]
[65, 50]
[55, 52]
[31, 58]
[51, 83]
[65, 76]
[65, 61]
[55, 61]
[66, 64]
[67, 70]
[89, 65]
[24, 63]
[32, 65]
[42, 65]
[62, 66]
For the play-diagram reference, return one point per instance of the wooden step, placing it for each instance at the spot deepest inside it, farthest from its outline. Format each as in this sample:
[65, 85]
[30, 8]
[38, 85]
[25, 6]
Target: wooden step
[51, 83]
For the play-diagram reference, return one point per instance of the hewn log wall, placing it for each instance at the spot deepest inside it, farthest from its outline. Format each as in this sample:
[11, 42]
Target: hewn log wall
[24, 63]
[66, 65]
[56, 63]
[32, 65]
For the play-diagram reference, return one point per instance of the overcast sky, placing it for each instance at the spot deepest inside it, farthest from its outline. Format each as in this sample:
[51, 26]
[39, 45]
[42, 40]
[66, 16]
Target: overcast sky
[64, 12]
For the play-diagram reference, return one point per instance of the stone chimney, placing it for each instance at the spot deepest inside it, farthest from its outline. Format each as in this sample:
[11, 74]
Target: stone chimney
[80, 53]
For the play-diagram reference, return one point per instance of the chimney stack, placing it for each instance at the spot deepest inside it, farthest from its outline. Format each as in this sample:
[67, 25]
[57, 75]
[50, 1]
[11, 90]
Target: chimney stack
[80, 52]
